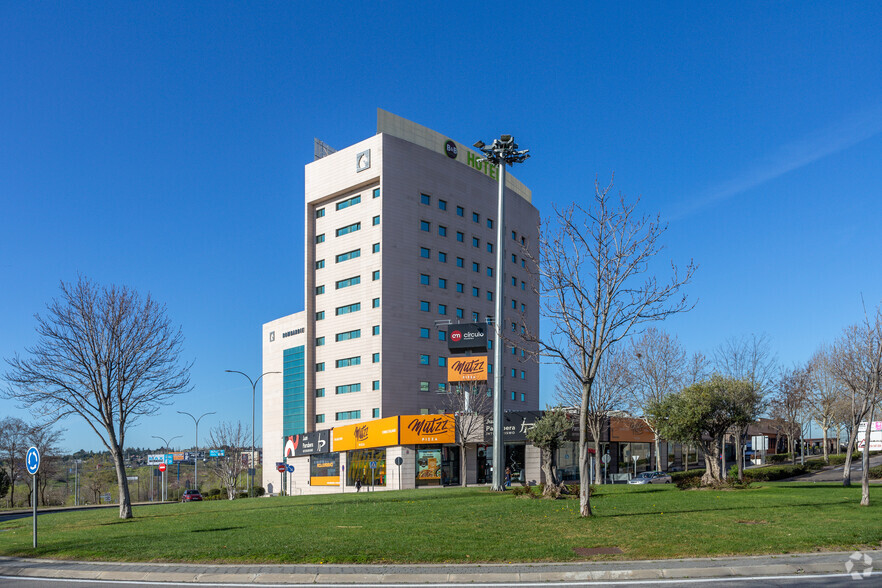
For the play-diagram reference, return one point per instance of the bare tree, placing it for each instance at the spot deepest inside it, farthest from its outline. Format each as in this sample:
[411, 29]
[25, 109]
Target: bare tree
[857, 363]
[471, 406]
[825, 394]
[14, 438]
[698, 368]
[752, 360]
[232, 438]
[595, 289]
[107, 355]
[46, 440]
[789, 406]
[658, 367]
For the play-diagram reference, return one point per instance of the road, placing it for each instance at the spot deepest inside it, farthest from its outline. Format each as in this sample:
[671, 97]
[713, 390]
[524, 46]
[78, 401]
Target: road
[834, 474]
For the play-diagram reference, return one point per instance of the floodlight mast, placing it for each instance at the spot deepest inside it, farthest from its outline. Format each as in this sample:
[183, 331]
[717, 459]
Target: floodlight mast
[503, 151]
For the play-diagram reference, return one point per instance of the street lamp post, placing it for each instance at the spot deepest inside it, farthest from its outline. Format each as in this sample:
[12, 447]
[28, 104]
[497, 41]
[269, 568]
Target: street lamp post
[167, 445]
[504, 151]
[253, 393]
[196, 456]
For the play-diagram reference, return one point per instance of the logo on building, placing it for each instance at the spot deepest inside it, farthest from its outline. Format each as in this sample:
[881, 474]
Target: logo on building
[469, 369]
[450, 149]
[363, 161]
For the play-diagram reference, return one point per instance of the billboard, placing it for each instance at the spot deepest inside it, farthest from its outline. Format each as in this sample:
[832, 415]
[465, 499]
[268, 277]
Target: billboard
[875, 436]
[308, 444]
[467, 369]
[325, 470]
[427, 428]
[379, 433]
[468, 336]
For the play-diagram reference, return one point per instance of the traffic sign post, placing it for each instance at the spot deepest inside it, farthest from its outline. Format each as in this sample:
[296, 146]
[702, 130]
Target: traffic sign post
[33, 463]
[163, 493]
[605, 459]
[398, 462]
[373, 467]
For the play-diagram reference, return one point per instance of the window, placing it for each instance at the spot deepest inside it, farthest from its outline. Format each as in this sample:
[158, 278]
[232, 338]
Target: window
[476, 267]
[319, 392]
[514, 281]
[348, 229]
[424, 333]
[348, 202]
[424, 387]
[425, 226]
[460, 262]
[442, 361]
[442, 387]
[476, 217]
[424, 279]
[320, 238]
[514, 350]
[347, 335]
[375, 248]
[425, 199]
[424, 360]
[489, 223]
[442, 231]
[442, 283]
[424, 305]
[319, 341]
[476, 291]
[320, 264]
[376, 220]
[348, 255]
[514, 303]
[349, 415]
[460, 211]
[442, 335]
[512, 395]
[489, 295]
[459, 313]
[375, 275]
[460, 236]
[523, 307]
[375, 385]
[375, 358]
[476, 317]
[320, 367]
[354, 280]
[354, 307]
[375, 413]
[489, 247]
[376, 192]
[524, 241]
[514, 236]
[319, 290]
[514, 258]
[490, 341]
[320, 315]
[523, 286]
[523, 375]
[375, 330]
[514, 327]
[348, 361]
[319, 418]
[523, 397]
[425, 253]
[442, 309]
[523, 263]
[319, 212]
[375, 303]
[476, 242]
[442, 204]
[489, 271]
[460, 287]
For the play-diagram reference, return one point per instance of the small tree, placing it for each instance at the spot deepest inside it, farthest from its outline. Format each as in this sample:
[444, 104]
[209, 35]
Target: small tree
[14, 436]
[107, 355]
[4, 483]
[471, 406]
[547, 434]
[789, 406]
[825, 393]
[232, 438]
[46, 440]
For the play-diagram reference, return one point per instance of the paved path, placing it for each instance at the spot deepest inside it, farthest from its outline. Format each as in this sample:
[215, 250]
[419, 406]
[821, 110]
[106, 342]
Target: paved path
[503, 574]
[834, 473]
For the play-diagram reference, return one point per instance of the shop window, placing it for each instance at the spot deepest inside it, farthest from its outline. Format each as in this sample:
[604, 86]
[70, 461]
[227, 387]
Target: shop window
[359, 467]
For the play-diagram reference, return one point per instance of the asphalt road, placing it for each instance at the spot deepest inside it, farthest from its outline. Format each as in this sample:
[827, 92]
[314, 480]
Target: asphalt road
[834, 474]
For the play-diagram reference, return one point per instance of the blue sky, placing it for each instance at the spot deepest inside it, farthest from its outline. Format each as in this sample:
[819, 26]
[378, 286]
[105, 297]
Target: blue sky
[161, 146]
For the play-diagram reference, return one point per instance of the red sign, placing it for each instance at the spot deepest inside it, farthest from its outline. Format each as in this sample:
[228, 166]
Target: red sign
[162, 467]
[280, 467]
[456, 336]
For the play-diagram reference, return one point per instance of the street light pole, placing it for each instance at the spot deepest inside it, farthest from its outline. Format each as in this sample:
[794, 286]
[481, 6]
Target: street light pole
[196, 456]
[167, 445]
[504, 151]
[253, 393]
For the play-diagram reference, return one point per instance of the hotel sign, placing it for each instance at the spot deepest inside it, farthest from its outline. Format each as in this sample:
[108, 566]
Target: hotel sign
[467, 369]
[379, 433]
[427, 428]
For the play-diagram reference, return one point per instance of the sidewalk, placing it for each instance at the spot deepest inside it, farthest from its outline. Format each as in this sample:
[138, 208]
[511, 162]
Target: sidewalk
[720, 567]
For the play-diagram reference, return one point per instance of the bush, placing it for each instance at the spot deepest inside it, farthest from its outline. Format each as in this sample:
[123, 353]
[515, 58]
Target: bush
[772, 473]
[778, 458]
[684, 475]
[875, 473]
[522, 491]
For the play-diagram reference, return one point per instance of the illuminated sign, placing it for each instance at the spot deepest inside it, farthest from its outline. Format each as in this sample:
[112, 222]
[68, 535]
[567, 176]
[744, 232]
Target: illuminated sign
[427, 428]
[379, 433]
[467, 336]
[467, 369]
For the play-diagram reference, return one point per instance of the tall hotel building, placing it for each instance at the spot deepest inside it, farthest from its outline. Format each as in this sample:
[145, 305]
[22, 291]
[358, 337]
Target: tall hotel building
[400, 242]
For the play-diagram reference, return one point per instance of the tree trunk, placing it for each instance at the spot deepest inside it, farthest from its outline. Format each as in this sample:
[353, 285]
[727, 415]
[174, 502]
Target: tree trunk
[865, 460]
[722, 460]
[552, 488]
[584, 472]
[598, 476]
[826, 453]
[846, 469]
[658, 467]
[685, 458]
[711, 463]
[462, 465]
[125, 501]
[791, 447]
[739, 452]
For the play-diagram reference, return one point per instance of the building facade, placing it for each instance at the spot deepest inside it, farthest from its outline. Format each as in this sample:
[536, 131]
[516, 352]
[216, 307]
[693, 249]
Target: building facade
[400, 242]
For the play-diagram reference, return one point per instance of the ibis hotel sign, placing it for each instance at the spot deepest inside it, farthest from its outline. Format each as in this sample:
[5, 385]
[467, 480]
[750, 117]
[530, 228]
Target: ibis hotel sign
[467, 337]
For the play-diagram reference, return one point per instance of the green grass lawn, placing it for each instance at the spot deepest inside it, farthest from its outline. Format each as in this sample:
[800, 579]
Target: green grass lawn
[464, 525]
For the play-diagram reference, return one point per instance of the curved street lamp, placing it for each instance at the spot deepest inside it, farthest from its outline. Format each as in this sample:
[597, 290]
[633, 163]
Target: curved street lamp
[196, 456]
[253, 393]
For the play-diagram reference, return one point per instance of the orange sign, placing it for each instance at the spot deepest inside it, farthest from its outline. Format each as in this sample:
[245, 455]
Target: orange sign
[427, 428]
[467, 369]
[379, 433]
[324, 481]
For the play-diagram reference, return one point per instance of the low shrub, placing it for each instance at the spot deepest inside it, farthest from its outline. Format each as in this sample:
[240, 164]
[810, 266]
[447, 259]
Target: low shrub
[875, 473]
[683, 475]
[521, 491]
[687, 482]
[778, 458]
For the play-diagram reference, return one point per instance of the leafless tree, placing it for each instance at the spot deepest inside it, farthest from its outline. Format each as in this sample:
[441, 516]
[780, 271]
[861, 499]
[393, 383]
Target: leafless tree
[698, 368]
[471, 406]
[658, 367]
[14, 438]
[46, 440]
[789, 406]
[825, 393]
[596, 289]
[857, 364]
[752, 360]
[232, 438]
[107, 355]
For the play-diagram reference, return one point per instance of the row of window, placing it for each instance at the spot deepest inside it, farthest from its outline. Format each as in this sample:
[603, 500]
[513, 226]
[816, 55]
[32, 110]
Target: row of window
[426, 386]
[460, 236]
[343, 204]
[346, 361]
[460, 211]
[320, 264]
[348, 415]
[320, 315]
[347, 229]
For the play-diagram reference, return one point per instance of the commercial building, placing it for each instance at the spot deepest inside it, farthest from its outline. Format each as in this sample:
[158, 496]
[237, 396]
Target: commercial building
[400, 242]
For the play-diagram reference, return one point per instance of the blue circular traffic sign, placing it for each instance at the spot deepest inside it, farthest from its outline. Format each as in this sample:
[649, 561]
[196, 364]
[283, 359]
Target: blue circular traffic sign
[33, 460]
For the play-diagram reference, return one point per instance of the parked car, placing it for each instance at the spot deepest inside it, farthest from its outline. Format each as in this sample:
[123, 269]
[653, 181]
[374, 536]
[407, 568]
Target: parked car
[191, 495]
[651, 478]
